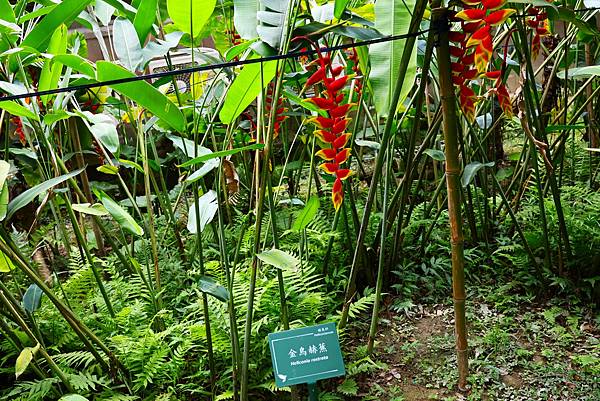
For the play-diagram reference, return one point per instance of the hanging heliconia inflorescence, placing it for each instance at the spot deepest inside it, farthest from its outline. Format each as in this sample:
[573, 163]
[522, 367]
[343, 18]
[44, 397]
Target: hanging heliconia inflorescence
[19, 129]
[279, 109]
[473, 50]
[331, 130]
[538, 22]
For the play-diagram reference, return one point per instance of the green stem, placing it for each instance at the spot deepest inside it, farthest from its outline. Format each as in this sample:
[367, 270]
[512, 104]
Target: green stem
[385, 142]
[83, 244]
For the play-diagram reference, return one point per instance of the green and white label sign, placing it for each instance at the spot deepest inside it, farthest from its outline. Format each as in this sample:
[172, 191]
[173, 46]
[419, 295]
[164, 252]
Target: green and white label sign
[306, 355]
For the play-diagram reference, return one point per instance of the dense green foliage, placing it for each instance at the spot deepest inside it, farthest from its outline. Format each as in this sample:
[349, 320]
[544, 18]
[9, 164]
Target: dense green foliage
[153, 232]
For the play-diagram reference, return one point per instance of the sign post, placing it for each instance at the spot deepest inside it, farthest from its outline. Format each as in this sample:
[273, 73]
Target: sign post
[313, 392]
[306, 355]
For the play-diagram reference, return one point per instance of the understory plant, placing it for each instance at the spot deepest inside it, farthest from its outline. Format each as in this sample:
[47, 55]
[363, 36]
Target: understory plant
[180, 179]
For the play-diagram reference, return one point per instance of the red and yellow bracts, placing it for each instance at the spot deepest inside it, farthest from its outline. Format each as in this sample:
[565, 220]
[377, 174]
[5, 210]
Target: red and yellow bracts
[473, 50]
[331, 130]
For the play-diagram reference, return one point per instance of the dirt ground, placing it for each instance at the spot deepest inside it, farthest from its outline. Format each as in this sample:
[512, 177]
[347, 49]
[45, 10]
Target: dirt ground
[517, 353]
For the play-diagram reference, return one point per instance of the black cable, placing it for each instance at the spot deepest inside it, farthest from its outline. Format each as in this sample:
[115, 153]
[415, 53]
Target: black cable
[230, 64]
[210, 67]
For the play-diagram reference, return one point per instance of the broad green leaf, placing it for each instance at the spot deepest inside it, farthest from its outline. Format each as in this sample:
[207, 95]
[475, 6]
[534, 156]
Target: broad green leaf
[435, 154]
[143, 94]
[535, 3]
[235, 51]
[24, 359]
[64, 13]
[24, 152]
[52, 69]
[566, 14]
[9, 28]
[144, 18]
[104, 12]
[279, 259]
[32, 299]
[73, 397]
[212, 287]
[270, 29]
[187, 147]
[108, 169]
[107, 135]
[95, 210]
[6, 265]
[77, 63]
[222, 153]
[580, 72]
[126, 44]
[392, 17]
[129, 163]
[244, 18]
[292, 97]
[120, 215]
[13, 88]
[4, 169]
[6, 11]
[471, 169]
[207, 207]
[60, 115]
[16, 109]
[190, 16]
[26, 197]
[245, 88]
[40, 12]
[339, 7]
[4, 198]
[306, 214]
[368, 144]
[160, 47]
[123, 8]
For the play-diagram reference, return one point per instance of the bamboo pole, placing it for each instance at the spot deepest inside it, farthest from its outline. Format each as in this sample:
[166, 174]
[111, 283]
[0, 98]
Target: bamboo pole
[440, 22]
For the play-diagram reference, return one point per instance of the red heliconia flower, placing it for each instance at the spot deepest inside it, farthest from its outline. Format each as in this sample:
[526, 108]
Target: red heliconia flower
[536, 45]
[472, 14]
[19, 130]
[474, 50]
[456, 36]
[353, 56]
[498, 17]
[540, 26]
[479, 35]
[493, 4]
[331, 128]
[279, 110]
[99, 152]
[317, 76]
[493, 74]
[483, 54]
[504, 99]
[470, 27]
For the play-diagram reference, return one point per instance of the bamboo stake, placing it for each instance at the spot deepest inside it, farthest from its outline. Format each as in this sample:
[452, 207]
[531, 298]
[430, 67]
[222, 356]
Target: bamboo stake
[440, 21]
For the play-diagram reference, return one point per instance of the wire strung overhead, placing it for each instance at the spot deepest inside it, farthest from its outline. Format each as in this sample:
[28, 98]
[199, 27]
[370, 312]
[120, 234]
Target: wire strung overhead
[231, 64]
[211, 67]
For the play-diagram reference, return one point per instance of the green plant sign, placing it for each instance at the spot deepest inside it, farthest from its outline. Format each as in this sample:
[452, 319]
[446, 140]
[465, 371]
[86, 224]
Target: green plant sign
[306, 355]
